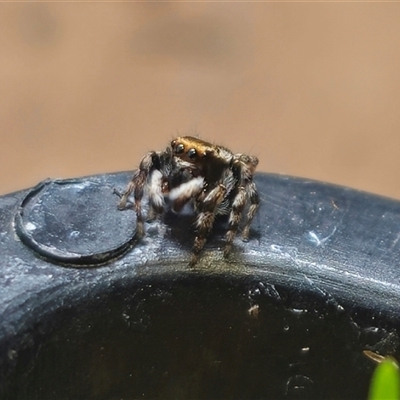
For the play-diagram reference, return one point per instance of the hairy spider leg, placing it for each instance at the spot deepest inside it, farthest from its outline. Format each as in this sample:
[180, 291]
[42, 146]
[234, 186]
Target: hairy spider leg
[137, 185]
[246, 189]
[254, 204]
[235, 216]
[205, 220]
[252, 193]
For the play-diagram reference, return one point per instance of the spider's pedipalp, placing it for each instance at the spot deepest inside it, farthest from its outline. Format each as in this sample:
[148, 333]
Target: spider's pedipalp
[180, 195]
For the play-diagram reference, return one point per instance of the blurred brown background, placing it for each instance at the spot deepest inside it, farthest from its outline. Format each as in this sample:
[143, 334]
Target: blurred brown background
[312, 89]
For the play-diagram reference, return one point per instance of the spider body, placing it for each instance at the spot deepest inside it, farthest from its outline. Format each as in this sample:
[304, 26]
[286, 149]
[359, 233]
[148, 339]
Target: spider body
[212, 178]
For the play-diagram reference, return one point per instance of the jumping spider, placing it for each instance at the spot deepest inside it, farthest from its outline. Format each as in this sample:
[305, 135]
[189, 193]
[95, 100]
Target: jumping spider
[211, 177]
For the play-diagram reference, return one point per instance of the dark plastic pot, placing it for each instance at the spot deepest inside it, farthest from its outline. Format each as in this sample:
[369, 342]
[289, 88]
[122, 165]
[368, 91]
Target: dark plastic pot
[88, 313]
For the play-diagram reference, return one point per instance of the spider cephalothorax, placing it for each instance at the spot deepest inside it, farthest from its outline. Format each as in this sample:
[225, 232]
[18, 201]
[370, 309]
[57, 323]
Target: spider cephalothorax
[211, 177]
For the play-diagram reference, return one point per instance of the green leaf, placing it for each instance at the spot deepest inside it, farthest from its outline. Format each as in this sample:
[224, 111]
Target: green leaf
[385, 382]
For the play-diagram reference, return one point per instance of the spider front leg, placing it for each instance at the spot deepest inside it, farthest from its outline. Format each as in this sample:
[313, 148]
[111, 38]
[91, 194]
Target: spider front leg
[205, 219]
[137, 185]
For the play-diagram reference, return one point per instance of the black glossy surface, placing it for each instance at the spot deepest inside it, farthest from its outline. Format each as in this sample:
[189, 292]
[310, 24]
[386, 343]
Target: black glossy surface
[287, 316]
[70, 221]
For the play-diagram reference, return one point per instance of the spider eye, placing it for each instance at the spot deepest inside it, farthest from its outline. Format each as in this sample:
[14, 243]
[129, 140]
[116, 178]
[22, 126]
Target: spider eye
[180, 148]
[192, 153]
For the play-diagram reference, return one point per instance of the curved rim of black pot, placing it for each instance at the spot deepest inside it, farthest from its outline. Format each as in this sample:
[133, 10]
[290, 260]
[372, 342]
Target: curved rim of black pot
[313, 246]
